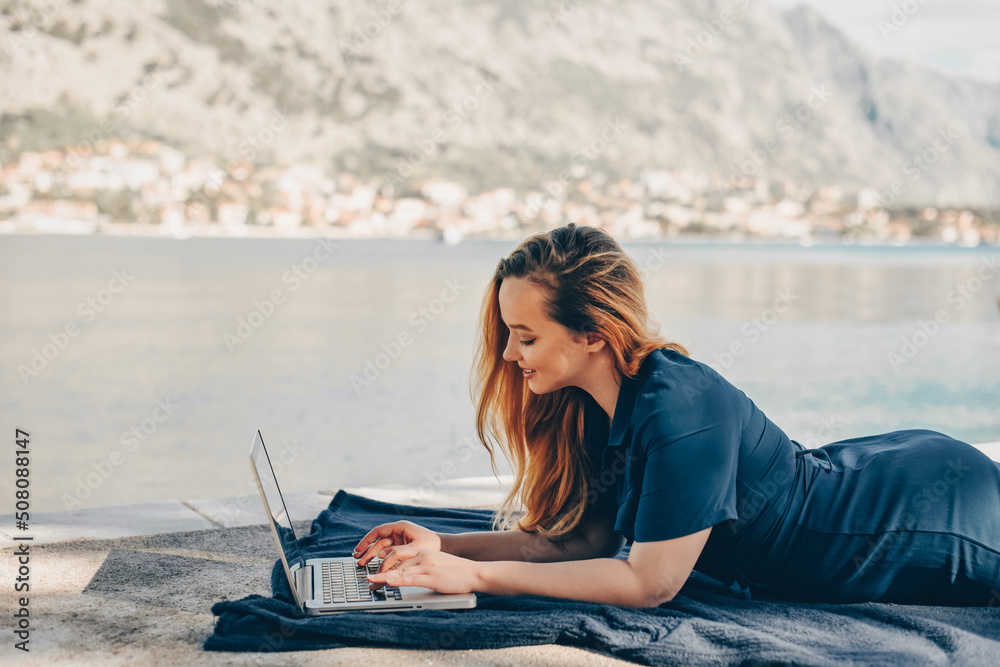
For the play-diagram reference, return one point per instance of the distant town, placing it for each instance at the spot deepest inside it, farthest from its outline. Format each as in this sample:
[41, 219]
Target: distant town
[147, 187]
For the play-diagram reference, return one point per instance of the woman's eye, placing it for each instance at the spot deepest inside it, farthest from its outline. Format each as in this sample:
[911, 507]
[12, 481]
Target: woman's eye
[527, 342]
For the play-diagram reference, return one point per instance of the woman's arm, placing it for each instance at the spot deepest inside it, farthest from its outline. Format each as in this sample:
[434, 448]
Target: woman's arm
[594, 537]
[652, 575]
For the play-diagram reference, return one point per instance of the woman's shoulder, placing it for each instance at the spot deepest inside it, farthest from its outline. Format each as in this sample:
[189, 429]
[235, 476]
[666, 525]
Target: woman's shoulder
[680, 389]
[666, 371]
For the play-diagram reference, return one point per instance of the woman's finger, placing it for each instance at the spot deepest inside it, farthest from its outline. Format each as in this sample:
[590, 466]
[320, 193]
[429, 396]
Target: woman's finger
[385, 530]
[380, 578]
[366, 554]
[378, 538]
[371, 536]
[408, 579]
[389, 561]
[396, 557]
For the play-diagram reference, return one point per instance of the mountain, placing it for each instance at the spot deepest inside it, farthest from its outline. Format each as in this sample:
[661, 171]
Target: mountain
[498, 92]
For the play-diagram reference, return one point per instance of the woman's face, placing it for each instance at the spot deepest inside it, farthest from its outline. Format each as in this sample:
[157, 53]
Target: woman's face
[555, 355]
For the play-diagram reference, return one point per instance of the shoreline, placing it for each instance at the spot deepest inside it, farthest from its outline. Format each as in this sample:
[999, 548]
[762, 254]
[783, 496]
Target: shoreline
[217, 231]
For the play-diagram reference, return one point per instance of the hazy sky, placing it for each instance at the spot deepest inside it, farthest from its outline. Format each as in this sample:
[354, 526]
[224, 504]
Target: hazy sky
[955, 36]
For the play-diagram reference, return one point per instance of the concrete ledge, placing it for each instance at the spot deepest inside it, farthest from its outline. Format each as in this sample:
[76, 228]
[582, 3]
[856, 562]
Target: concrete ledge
[99, 523]
[247, 510]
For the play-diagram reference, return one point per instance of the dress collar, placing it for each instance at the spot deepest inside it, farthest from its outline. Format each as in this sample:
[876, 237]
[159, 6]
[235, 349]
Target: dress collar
[626, 402]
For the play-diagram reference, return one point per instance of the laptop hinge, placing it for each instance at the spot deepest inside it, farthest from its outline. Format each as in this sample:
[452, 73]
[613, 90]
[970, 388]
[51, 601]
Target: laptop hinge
[304, 582]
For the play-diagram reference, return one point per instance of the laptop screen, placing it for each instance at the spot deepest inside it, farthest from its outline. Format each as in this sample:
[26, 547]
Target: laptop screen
[274, 504]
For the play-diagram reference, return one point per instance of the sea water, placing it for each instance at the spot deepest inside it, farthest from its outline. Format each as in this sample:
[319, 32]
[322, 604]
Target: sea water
[353, 356]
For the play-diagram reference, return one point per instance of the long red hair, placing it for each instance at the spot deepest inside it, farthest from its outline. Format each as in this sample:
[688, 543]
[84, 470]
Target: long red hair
[591, 285]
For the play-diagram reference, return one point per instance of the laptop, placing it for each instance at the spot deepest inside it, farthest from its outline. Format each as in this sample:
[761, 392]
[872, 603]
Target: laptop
[334, 585]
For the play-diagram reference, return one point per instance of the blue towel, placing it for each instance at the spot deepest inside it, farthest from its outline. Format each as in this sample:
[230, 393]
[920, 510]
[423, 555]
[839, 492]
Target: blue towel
[707, 623]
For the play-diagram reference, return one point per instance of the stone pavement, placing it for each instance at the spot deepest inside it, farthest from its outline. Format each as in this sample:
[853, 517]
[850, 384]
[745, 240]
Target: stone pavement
[134, 584]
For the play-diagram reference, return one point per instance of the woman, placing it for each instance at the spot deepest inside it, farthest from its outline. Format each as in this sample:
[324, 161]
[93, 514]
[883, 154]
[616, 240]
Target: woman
[614, 434]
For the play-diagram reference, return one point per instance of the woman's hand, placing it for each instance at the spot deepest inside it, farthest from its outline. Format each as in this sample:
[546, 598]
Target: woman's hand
[382, 540]
[439, 571]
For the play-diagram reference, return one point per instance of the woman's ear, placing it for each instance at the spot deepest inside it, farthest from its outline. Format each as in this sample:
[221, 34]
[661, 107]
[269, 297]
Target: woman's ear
[594, 341]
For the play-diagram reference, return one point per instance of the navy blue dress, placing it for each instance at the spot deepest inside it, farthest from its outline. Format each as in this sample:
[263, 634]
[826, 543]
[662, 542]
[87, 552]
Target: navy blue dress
[909, 516]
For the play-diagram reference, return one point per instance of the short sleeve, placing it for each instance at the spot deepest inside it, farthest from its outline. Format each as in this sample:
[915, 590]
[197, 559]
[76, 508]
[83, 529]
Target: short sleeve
[690, 441]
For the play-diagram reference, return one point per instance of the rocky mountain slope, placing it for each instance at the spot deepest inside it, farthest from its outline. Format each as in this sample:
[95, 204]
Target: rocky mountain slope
[497, 92]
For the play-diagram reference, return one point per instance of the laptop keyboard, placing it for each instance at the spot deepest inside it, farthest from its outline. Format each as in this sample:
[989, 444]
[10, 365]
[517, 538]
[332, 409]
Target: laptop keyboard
[343, 581]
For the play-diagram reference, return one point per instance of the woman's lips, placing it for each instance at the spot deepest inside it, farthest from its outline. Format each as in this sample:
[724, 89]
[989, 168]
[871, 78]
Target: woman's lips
[527, 373]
